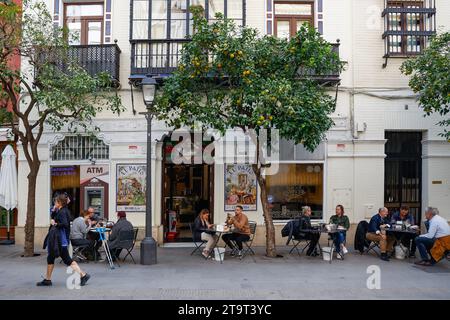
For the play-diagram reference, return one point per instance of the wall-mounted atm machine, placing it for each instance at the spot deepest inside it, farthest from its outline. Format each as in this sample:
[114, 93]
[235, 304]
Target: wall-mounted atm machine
[95, 197]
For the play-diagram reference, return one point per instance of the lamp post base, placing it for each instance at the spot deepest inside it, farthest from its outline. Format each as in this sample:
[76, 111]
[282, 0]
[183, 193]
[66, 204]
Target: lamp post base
[148, 251]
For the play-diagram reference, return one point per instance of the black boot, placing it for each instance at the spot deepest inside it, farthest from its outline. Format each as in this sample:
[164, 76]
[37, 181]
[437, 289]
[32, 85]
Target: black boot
[384, 256]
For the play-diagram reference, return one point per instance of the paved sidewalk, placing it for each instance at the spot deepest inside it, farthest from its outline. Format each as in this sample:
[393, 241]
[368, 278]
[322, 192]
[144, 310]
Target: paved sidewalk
[181, 276]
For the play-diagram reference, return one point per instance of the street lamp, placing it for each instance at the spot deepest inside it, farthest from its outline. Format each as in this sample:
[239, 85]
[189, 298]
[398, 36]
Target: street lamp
[148, 245]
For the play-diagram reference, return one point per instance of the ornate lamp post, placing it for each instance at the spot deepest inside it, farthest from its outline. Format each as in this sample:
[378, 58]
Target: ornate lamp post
[148, 245]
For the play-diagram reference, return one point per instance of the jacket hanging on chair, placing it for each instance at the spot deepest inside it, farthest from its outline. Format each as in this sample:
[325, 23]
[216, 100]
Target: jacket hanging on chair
[360, 236]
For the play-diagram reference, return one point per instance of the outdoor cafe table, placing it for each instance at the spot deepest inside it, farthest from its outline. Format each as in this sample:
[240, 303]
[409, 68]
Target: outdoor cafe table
[401, 235]
[216, 242]
[332, 233]
[102, 237]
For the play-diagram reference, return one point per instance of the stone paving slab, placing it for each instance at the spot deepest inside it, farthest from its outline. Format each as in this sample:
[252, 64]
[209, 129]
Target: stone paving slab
[178, 275]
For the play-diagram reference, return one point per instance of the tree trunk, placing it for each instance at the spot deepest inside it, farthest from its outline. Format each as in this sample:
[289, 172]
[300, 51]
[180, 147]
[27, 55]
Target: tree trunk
[31, 208]
[270, 228]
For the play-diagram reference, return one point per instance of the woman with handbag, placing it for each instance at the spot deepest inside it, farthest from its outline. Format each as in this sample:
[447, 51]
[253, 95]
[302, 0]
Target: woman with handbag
[57, 242]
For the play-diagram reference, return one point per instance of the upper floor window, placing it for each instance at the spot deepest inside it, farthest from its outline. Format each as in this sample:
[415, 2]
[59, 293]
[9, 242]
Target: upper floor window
[84, 22]
[289, 17]
[171, 19]
[408, 25]
[79, 148]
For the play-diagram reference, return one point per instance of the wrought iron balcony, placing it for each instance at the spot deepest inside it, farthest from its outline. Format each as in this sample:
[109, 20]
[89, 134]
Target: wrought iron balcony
[159, 58]
[93, 58]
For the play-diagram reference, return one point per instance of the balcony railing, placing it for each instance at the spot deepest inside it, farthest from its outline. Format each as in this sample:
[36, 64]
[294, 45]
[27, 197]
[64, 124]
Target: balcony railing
[159, 58]
[155, 57]
[93, 58]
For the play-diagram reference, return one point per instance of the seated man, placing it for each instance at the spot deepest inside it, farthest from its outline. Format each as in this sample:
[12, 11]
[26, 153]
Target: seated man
[93, 216]
[242, 232]
[408, 240]
[113, 241]
[79, 230]
[377, 233]
[307, 233]
[438, 233]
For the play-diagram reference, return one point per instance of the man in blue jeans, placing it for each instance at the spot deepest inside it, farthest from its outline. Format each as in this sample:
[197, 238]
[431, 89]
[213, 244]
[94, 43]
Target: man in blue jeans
[438, 228]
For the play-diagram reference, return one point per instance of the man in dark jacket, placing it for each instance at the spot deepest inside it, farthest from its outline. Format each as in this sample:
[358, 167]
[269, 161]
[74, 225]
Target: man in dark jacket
[407, 218]
[121, 224]
[377, 233]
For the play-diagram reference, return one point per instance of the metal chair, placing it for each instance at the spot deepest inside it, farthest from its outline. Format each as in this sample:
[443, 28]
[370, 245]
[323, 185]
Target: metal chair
[248, 244]
[333, 246]
[197, 246]
[78, 252]
[296, 242]
[371, 246]
[129, 251]
[126, 242]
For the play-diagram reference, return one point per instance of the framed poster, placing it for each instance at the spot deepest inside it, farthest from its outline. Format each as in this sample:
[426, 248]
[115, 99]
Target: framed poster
[131, 187]
[240, 187]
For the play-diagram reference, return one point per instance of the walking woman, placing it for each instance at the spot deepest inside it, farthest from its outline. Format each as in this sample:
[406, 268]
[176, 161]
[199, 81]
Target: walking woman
[200, 224]
[340, 220]
[57, 242]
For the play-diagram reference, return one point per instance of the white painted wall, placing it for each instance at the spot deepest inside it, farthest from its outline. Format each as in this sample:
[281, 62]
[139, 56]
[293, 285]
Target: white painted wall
[355, 174]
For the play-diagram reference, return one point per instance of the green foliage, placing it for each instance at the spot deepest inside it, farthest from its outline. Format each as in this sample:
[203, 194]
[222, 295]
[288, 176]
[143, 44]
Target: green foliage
[231, 77]
[53, 90]
[430, 78]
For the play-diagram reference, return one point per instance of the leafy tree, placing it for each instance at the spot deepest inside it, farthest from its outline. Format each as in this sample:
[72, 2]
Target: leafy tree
[430, 78]
[230, 77]
[52, 93]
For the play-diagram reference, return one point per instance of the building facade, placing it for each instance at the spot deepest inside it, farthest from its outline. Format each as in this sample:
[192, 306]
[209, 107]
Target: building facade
[7, 138]
[380, 152]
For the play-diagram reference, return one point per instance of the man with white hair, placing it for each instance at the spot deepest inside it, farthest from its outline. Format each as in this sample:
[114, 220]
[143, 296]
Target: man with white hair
[377, 233]
[438, 228]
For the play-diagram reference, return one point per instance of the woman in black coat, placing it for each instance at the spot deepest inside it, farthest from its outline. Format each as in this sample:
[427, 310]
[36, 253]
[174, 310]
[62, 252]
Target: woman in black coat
[57, 242]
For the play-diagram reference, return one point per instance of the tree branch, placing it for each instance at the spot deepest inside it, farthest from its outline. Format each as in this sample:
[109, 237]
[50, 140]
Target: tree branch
[9, 88]
[30, 91]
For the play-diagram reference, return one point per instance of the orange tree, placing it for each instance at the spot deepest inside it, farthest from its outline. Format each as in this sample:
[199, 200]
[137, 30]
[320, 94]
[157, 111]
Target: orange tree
[230, 77]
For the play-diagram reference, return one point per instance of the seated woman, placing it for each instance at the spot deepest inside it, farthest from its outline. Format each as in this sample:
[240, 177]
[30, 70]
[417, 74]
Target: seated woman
[306, 231]
[200, 224]
[79, 231]
[340, 220]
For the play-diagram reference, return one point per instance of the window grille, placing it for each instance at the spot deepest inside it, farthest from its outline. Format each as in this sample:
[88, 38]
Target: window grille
[80, 148]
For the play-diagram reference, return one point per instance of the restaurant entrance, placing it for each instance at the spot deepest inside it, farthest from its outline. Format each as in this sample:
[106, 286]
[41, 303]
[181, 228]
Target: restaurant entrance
[187, 189]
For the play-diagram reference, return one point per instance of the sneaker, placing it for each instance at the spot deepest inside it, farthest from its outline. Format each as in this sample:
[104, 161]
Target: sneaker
[344, 250]
[384, 257]
[339, 257]
[84, 279]
[44, 283]
[239, 254]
